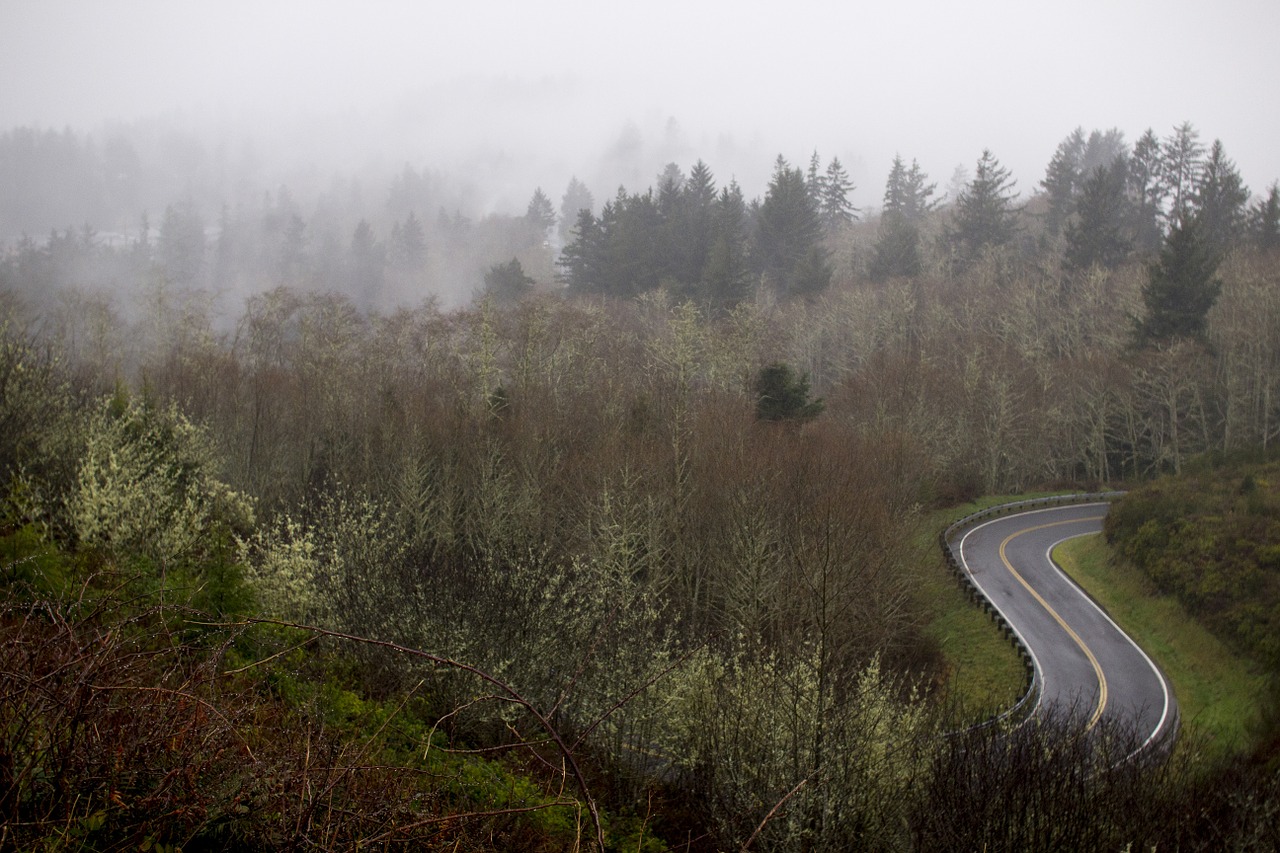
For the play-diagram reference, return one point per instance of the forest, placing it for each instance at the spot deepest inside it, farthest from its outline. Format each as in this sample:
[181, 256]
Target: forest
[334, 518]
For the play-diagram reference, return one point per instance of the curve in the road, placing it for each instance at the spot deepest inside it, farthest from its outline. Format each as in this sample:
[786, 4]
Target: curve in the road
[1080, 655]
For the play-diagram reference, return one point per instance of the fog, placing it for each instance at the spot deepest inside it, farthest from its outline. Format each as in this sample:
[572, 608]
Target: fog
[491, 100]
[525, 94]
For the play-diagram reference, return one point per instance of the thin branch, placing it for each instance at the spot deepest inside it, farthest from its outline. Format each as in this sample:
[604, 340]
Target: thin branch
[772, 812]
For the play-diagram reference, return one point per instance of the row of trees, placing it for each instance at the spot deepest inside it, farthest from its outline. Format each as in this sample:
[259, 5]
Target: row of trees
[712, 246]
[1102, 204]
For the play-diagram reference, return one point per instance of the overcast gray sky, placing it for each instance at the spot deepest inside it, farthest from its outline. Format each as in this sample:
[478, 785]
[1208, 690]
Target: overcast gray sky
[541, 86]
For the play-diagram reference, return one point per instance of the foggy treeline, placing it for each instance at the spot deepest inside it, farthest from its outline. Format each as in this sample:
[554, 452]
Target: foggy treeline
[570, 480]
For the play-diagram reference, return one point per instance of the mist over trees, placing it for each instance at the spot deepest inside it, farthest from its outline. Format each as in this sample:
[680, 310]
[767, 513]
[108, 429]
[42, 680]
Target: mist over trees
[650, 459]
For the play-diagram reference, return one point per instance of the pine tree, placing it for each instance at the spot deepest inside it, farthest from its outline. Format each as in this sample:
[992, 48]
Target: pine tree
[726, 277]
[1147, 190]
[408, 249]
[540, 215]
[834, 205]
[916, 203]
[368, 263]
[1264, 220]
[984, 213]
[576, 197]
[1102, 149]
[579, 262]
[1181, 158]
[1220, 199]
[906, 202]
[1062, 180]
[181, 245]
[1096, 234]
[782, 395]
[788, 227]
[507, 282]
[1181, 286]
[693, 231]
[814, 180]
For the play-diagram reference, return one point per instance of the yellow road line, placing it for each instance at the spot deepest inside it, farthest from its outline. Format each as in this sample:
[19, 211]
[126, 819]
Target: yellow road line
[1088, 653]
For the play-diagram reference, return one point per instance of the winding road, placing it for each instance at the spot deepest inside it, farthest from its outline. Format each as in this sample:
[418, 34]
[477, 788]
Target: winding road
[1084, 663]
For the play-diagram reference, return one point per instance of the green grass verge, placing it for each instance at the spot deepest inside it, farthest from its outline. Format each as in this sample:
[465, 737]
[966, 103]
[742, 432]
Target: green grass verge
[1217, 691]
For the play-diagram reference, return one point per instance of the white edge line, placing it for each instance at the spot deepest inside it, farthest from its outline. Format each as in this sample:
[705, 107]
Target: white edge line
[1164, 685]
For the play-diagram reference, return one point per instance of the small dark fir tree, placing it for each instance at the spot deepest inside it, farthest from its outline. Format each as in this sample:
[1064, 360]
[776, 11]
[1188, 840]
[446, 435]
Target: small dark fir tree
[507, 282]
[1181, 287]
[781, 395]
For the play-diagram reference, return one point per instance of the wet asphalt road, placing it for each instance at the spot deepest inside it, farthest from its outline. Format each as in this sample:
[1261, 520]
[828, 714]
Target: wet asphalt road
[1086, 665]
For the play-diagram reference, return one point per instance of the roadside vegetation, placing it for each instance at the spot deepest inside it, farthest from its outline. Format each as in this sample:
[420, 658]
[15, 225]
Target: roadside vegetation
[1221, 694]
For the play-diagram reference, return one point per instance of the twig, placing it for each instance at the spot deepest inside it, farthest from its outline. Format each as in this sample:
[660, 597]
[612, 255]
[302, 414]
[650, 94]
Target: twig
[772, 812]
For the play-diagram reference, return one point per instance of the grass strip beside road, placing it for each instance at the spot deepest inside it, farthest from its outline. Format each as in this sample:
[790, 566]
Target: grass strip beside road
[984, 676]
[1218, 692]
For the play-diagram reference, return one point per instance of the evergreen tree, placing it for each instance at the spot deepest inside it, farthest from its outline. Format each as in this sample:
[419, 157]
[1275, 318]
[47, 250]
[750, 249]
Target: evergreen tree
[906, 202]
[727, 277]
[408, 249]
[789, 227]
[984, 213]
[915, 196]
[897, 249]
[576, 197]
[181, 244]
[1102, 149]
[694, 229]
[1264, 220]
[540, 215]
[1181, 286]
[507, 282]
[226, 260]
[1220, 199]
[1062, 179]
[813, 274]
[670, 187]
[1181, 158]
[579, 262]
[1096, 234]
[835, 208]
[367, 262]
[813, 181]
[1147, 190]
[782, 395]
[635, 259]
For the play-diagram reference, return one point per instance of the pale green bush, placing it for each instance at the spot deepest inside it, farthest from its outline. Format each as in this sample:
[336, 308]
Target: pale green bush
[145, 485]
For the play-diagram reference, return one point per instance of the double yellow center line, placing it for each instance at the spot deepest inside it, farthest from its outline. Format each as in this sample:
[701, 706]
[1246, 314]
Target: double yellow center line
[1088, 653]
